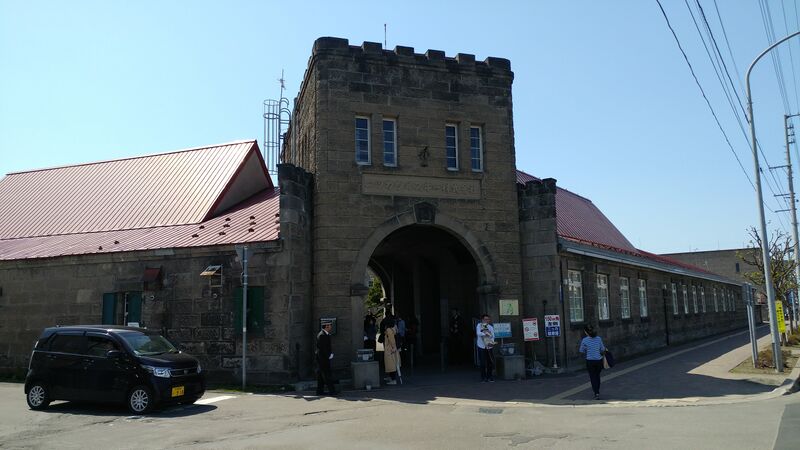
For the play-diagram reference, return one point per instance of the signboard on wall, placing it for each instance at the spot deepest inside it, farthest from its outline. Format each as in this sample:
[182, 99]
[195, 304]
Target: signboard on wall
[509, 307]
[502, 330]
[552, 325]
[530, 329]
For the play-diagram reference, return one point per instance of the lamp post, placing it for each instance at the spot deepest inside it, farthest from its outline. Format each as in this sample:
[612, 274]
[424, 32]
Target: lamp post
[773, 320]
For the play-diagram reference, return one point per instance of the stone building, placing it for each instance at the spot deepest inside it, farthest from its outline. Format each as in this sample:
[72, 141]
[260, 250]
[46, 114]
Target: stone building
[397, 164]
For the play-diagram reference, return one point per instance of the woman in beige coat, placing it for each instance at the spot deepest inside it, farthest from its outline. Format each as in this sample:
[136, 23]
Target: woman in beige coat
[391, 354]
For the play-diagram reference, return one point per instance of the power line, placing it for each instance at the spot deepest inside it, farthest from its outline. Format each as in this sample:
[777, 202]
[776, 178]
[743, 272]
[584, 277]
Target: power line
[718, 63]
[703, 92]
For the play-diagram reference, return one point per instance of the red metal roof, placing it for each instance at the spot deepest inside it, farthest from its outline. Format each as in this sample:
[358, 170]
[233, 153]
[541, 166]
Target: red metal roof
[259, 214]
[579, 220]
[176, 188]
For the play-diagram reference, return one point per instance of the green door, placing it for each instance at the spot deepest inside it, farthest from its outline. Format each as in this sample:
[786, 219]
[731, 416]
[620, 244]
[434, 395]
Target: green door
[255, 310]
[109, 309]
[134, 308]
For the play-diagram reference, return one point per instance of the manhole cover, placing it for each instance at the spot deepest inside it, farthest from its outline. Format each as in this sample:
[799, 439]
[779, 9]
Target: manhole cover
[490, 410]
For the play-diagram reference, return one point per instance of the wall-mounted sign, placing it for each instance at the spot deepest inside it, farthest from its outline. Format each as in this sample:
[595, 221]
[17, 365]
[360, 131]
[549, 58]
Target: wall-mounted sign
[414, 186]
[502, 330]
[530, 329]
[509, 307]
[552, 325]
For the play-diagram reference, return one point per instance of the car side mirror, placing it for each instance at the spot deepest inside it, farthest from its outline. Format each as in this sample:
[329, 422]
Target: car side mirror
[114, 354]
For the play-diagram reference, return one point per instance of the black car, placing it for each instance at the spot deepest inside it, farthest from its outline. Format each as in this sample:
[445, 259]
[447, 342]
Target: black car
[101, 363]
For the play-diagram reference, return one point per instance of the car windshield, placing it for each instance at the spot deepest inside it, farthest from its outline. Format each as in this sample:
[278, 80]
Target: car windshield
[148, 344]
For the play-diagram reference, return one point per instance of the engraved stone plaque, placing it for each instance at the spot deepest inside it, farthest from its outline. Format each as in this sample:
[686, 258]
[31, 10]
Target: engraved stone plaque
[413, 186]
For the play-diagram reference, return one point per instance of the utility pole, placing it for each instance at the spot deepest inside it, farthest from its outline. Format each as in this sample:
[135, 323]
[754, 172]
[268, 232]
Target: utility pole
[789, 131]
[773, 320]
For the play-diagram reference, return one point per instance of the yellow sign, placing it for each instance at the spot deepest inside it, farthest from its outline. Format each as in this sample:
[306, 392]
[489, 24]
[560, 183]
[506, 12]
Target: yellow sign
[779, 315]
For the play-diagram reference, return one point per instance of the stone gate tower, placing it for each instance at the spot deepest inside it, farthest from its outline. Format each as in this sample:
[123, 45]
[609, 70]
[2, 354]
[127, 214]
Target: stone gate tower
[413, 165]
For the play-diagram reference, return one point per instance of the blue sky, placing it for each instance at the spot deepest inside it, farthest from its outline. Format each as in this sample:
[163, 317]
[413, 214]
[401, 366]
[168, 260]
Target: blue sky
[603, 100]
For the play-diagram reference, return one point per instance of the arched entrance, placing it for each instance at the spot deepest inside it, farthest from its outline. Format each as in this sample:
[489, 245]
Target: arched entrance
[431, 280]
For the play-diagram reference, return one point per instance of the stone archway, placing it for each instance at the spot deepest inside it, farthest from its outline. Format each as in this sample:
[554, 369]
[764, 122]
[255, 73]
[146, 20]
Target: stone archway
[424, 217]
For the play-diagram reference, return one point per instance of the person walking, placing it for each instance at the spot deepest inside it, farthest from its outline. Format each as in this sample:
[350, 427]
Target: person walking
[484, 340]
[391, 353]
[324, 357]
[592, 347]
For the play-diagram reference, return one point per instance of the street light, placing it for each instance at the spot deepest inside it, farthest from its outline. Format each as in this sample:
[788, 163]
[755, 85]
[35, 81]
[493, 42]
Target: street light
[773, 320]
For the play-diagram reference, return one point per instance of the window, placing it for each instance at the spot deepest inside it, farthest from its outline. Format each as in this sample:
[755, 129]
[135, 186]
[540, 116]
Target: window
[694, 299]
[674, 299]
[68, 343]
[737, 267]
[451, 145]
[575, 296]
[255, 310]
[625, 297]
[643, 298]
[685, 301]
[389, 142]
[602, 297]
[716, 303]
[724, 300]
[362, 141]
[733, 302]
[99, 346]
[703, 298]
[476, 148]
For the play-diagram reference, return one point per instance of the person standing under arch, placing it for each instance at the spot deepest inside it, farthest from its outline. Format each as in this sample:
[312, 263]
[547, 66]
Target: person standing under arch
[484, 340]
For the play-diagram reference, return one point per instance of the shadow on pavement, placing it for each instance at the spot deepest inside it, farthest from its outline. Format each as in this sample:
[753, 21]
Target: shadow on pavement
[667, 379]
[105, 410]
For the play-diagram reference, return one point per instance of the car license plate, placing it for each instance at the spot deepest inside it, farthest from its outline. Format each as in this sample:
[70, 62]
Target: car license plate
[177, 391]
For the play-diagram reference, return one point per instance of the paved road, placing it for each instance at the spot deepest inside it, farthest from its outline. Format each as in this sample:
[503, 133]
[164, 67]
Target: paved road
[418, 418]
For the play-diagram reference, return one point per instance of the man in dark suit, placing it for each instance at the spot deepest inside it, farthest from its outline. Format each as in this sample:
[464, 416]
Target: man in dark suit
[324, 356]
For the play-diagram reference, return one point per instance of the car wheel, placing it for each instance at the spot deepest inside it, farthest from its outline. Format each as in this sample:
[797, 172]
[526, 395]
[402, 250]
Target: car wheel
[140, 400]
[37, 396]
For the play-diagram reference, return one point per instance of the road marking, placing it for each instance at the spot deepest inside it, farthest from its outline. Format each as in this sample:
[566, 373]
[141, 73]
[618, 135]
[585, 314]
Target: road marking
[585, 386]
[208, 401]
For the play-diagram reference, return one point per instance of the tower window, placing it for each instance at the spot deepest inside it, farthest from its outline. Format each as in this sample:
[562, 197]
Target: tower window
[476, 148]
[362, 141]
[451, 145]
[389, 142]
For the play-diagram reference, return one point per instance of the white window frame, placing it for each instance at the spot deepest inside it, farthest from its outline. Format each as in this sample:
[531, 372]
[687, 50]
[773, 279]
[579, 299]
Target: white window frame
[625, 297]
[446, 156]
[716, 302]
[643, 298]
[703, 299]
[675, 310]
[724, 301]
[575, 288]
[480, 150]
[695, 305]
[368, 162]
[685, 299]
[603, 309]
[393, 121]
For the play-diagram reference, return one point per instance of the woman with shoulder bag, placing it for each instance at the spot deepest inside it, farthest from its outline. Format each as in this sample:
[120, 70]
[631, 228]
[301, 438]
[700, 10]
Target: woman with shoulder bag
[592, 347]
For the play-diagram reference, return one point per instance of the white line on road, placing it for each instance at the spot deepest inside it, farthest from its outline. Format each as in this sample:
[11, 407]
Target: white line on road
[585, 386]
[208, 401]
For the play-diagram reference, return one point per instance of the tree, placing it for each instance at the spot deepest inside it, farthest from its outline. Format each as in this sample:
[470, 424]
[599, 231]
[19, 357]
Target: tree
[374, 296]
[782, 267]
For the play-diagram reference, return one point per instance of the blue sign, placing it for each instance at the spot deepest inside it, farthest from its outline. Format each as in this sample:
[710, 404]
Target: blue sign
[502, 330]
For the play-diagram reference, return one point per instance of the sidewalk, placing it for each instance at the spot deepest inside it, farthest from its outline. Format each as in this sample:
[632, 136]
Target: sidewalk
[692, 374]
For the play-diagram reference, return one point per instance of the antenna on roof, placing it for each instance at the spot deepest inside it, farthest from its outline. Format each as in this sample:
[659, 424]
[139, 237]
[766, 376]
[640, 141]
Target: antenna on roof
[384, 36]
[277, 116]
